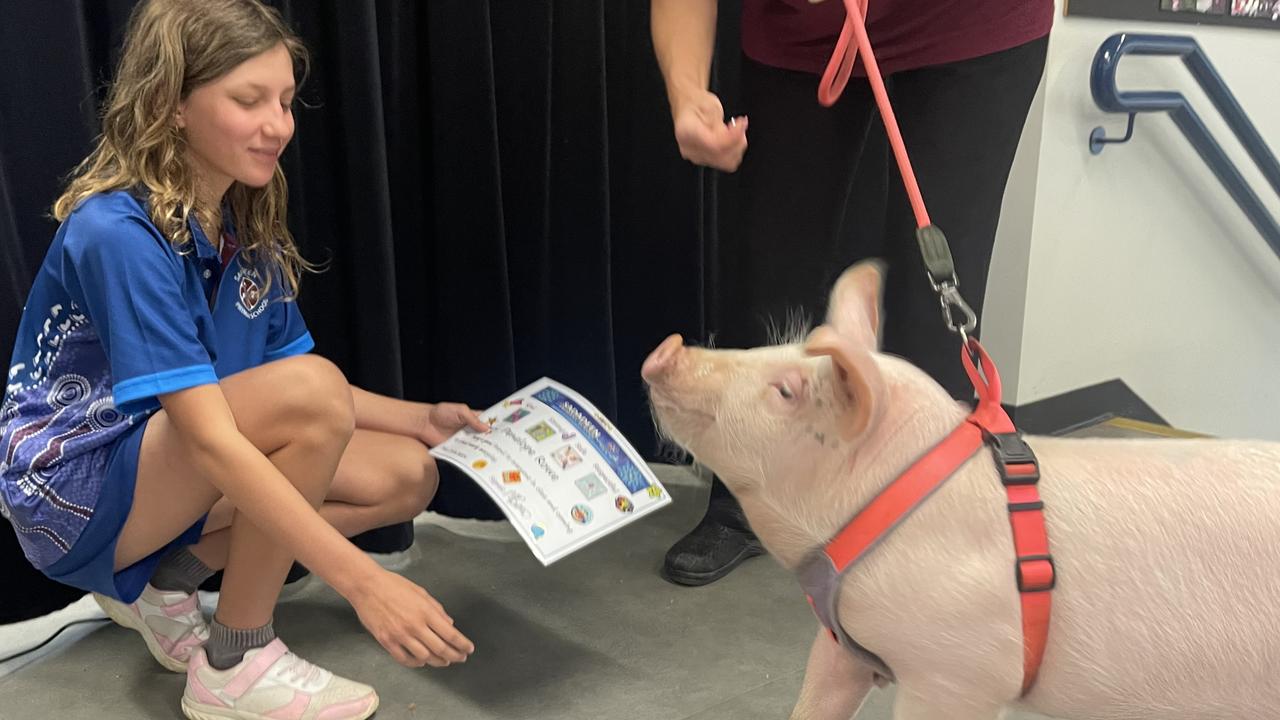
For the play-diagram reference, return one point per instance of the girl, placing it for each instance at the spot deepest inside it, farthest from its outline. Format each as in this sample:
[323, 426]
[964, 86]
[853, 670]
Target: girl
[162, 419]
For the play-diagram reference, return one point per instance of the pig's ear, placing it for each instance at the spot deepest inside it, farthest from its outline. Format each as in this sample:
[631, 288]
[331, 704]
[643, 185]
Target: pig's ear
[857, 386]
[854, 307]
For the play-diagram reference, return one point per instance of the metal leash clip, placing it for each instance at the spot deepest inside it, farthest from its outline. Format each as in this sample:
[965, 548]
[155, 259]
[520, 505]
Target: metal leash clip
[938, 264]
[952, 303]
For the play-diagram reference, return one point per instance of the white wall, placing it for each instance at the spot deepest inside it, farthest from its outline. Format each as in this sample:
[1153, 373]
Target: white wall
[1136, 264]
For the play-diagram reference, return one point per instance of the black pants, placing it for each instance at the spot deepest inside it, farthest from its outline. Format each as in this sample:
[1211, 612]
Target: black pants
[803, 218]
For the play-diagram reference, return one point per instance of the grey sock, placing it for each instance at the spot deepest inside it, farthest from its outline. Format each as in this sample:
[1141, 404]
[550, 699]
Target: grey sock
[226, 646]
[180, 570]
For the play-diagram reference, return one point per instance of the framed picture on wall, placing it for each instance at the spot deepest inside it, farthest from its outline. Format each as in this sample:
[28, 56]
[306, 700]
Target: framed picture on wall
[1238, 13]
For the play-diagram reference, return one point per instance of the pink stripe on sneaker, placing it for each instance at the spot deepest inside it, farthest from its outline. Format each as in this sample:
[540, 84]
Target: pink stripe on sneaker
[197, 688]
[182, 608]
[348, 710]
[254, 669]
[294, 710]
[202, 694]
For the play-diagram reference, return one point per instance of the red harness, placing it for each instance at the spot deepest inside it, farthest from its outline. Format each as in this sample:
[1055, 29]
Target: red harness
[1019, 472]
[1034, 572]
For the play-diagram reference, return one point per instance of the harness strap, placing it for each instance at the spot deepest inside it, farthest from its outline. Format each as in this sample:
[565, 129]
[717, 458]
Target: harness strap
[1034, 571]
[1019, 471]
[903, 496]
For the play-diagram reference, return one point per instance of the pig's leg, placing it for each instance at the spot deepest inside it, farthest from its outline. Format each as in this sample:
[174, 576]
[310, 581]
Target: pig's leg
[835, 682]
[914, 703]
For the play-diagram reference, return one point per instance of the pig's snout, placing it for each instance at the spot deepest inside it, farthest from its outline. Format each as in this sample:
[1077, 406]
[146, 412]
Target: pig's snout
[684, 390]
[662, 359]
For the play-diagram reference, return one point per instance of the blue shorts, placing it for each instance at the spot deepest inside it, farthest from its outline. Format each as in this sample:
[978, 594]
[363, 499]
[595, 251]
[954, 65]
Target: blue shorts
[90, 565]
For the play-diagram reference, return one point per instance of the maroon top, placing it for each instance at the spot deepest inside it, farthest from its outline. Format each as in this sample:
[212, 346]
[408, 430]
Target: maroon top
[905, 34]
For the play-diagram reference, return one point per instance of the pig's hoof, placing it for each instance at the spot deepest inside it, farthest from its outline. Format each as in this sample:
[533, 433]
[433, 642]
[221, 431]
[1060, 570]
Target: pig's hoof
[708, 553]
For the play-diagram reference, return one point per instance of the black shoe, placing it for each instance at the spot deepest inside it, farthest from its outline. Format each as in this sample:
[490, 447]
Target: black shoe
[720, 543]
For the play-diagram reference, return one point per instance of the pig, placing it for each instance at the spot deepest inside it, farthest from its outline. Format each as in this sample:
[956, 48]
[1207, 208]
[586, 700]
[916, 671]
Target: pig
[1167, 605]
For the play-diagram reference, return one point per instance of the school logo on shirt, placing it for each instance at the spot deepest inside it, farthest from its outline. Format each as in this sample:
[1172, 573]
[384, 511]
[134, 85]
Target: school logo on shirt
[251, 303]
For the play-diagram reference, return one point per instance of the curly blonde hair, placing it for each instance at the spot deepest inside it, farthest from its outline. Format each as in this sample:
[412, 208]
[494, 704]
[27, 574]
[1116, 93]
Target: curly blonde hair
[172, 47]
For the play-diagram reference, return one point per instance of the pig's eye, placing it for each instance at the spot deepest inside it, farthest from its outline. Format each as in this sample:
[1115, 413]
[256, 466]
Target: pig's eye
[790, 386]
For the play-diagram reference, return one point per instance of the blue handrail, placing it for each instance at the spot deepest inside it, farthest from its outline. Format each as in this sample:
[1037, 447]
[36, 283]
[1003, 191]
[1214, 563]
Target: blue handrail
[1111, 99]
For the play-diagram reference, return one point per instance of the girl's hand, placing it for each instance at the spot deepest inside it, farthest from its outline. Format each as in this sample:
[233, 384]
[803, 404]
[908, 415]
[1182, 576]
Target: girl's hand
[445, 419]
[409, 623]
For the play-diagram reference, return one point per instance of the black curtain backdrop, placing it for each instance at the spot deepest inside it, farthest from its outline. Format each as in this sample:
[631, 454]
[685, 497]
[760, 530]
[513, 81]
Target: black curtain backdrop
[493, 183]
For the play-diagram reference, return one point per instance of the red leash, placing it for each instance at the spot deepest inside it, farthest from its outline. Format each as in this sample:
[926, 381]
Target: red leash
[837, 76]
[1034, 572]
[933, 244]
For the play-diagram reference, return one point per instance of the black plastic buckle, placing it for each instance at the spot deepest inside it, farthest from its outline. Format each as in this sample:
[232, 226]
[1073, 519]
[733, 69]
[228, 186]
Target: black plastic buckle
[1022, 581]
[1011, 449]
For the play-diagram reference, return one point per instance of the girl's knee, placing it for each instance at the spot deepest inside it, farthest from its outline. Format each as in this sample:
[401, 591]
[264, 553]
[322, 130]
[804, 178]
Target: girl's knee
[315, 397]
[416, 480]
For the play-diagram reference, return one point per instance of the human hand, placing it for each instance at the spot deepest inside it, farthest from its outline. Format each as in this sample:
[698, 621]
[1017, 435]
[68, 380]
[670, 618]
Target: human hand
[409, 623]
[445, 419]
[703, 135]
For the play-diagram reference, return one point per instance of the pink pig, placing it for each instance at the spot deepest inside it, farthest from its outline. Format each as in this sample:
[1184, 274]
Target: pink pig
[1167, 603]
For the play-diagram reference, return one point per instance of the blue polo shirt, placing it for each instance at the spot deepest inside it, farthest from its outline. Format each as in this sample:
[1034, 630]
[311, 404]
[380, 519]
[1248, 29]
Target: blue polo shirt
[116, 317]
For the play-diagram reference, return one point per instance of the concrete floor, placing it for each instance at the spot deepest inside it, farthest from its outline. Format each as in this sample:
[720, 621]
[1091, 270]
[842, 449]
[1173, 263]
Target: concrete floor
[596, 635]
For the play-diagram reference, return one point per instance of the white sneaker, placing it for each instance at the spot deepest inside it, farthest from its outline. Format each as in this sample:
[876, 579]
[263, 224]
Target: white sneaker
[271, 683]
[169, 621]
